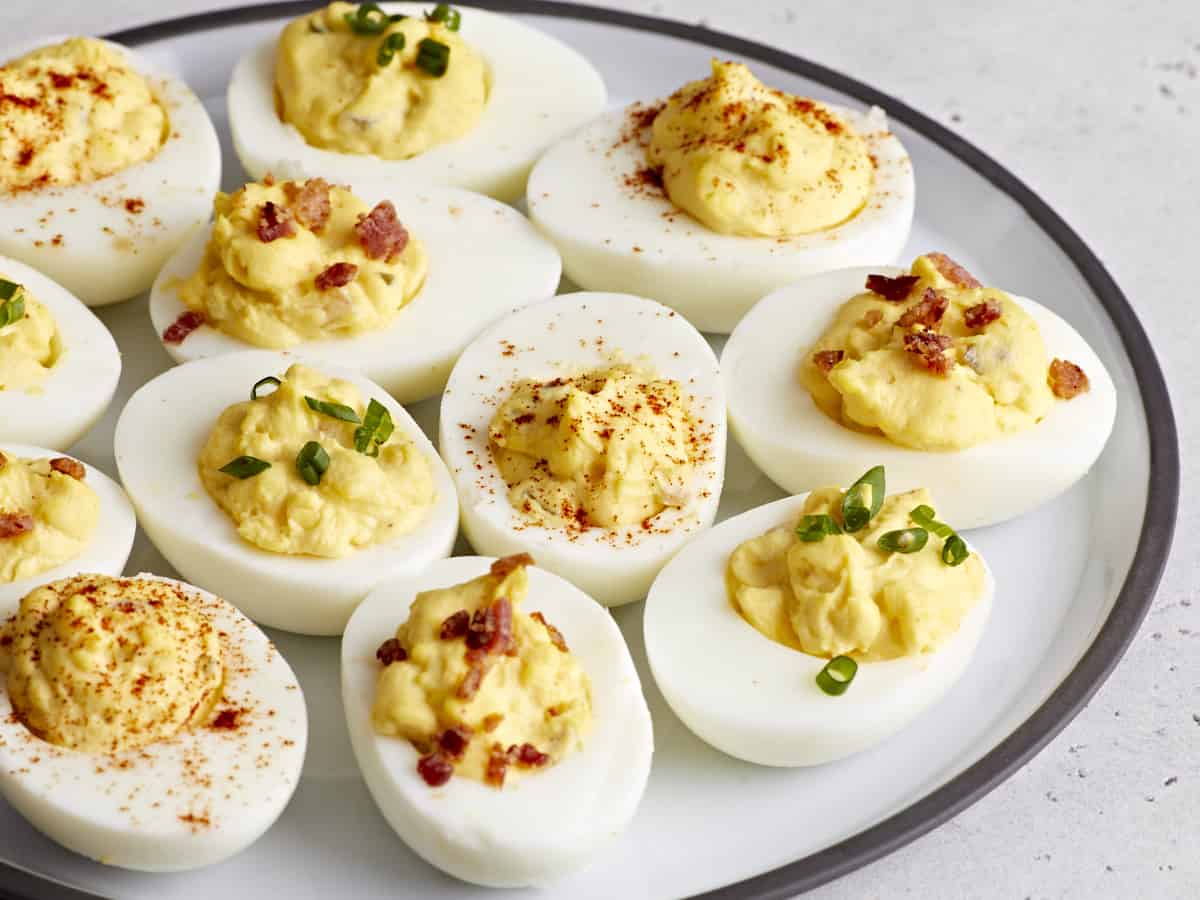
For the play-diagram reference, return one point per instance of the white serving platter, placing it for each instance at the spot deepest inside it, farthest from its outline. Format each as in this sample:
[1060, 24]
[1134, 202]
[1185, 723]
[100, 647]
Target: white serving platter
[1074, 578]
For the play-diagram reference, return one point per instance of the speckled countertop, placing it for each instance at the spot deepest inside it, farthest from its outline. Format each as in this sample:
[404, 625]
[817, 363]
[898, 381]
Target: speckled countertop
[1097, 107]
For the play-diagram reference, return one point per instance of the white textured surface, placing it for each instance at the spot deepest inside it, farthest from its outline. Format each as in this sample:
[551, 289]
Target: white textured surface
[1097, 107]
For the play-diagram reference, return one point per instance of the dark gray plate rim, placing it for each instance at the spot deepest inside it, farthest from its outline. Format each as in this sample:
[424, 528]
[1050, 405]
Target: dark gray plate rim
[1162, 498]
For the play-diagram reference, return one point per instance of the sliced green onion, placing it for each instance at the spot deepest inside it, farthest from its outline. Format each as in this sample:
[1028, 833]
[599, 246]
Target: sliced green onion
[954, 551]
[369, 18]
[397, 17]
[924, 516]
[433, 56]
[814, 528]
[312, 462]
[387, 50]
[263, 382]
[376, 428]
[244, 467]
[12, 302]
[837, 675]
[906, 540]
[863, 500]
[333, 410]
[447, 15]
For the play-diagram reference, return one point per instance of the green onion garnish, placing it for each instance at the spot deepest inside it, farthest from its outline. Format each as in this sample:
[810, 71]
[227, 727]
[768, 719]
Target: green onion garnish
[954, 551]
[368, 19]
[12, 302]
[263, 382]
[837, 675]
[954, 548]
[906, 540]
[863, 500]
[924, 516]
[814, 528]
[244, 467]
[376, 428]
[312, 462]
[447, 15]
[433, 56]
[388, 49]
[333, 410]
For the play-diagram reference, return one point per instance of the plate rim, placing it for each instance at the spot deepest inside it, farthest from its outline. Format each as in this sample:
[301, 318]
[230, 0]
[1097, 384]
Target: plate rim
[1137, 591]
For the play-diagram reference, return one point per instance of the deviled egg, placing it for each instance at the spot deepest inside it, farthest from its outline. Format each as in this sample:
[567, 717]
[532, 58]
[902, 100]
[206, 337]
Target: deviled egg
[106, 165]
[59, 365]
[416, 92]
[724, 192]
[376, 280]
[58, 516]
[993, 398]
[291, 493]
[505, 747]
[589, 431]
[145, 723]
[816, 626]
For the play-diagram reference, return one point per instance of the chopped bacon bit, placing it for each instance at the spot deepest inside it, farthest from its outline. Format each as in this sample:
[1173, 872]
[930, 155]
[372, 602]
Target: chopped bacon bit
[390, 652]
[309, 202]
[491, 629]
[497, 766]
[274, 222]
[469, 686]
[825, 360]
[871, 318]
[455, 625]
[927, 312]
[435, 769]
[952, 271]
[380, 232]
[67, 466]
[556, 637]
[453, 741]
[507, 564]
[981, 315]
[894, 289]
[15, 524]
[178, 330]
[339, 274]
[1067, 380]
[930, 349]
[528, 756]
[492, 722]
[227, 720]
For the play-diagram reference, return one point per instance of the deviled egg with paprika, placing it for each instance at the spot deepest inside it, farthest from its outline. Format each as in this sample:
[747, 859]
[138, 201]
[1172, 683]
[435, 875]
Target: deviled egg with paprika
[588, 431]
[290, 490]
[106, 164]
[390, 281]
[419, 92]
[497, 718]
[722, 193]
[993, 398]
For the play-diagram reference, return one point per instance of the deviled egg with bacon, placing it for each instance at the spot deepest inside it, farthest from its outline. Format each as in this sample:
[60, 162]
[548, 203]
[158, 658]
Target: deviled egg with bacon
[497, 718]
[373, 279]
[290, 490]
[588, 431]
[722, 193]
[413, 92]
[993, 398]
[106, 164]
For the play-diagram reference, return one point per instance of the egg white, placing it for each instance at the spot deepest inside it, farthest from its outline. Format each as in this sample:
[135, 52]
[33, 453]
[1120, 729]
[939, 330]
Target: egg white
[758, 700]
[104, 252]
[79, 387]
[111, 542]
[485, 259]
[560, 337]
[800, 448]
[545, 824]
[541, 89]
[189, 801]
[613, 237]
[159, 438]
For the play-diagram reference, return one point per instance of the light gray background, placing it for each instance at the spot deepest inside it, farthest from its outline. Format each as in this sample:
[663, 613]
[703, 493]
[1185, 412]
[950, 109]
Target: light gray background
[1097, 106]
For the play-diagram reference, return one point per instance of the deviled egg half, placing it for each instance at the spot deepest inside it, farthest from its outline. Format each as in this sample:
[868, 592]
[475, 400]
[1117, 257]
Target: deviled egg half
[59, 365]
[816, 626]
[722, 193]
[106, 164]
[289, 490]
[993, 398]
[388, 280]
[145, 723]
[588, 431]
[58, 516]
[419, 92]
[505, 747]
